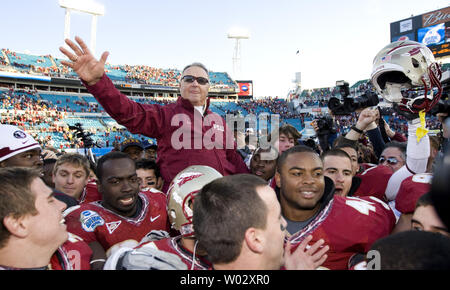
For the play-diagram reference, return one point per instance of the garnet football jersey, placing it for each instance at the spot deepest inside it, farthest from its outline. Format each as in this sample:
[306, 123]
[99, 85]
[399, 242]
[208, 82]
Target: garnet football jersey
[348, 225]
[172, 245]
[90, 193]
[74, 254]
[93, 222]
[374, 181]
[411, 189]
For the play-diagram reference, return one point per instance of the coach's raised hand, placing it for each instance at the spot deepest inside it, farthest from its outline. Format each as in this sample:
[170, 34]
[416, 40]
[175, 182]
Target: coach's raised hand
[83, 62]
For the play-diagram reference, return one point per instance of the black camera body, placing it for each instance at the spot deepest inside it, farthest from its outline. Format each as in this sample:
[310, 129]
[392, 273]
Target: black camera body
[350, 105]
[325, 125]
[82, 135]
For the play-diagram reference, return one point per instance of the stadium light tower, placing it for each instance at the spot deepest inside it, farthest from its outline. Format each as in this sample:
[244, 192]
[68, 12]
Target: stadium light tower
[238, 34]
[85, 6]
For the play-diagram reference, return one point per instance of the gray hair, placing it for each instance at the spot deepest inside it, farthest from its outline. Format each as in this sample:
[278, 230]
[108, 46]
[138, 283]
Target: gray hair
[196, 64]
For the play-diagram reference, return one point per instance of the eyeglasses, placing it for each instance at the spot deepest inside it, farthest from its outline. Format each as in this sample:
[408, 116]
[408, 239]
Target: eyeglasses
[191, 79]
[390, 160]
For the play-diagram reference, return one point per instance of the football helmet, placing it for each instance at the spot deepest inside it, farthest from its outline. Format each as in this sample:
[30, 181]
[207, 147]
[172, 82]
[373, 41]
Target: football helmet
[181, 193]
[402, 66]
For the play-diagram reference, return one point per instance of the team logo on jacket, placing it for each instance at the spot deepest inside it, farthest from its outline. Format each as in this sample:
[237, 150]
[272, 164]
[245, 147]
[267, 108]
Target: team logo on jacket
[90, 220]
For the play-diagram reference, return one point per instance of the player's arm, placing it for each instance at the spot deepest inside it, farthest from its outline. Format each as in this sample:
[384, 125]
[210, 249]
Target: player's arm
[98, 256]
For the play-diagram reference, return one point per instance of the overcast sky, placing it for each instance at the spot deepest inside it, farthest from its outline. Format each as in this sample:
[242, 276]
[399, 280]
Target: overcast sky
[336, 39]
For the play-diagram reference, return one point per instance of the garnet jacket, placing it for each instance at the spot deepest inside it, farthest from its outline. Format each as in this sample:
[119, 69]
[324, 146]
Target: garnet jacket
[184, 136]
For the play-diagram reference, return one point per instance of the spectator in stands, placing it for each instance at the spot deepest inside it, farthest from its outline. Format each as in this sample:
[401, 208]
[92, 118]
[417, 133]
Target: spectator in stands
[148, 175]
[165, 123]
[133, 147]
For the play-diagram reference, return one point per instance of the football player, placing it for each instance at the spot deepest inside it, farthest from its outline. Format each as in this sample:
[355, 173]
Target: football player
[238, 221]
[349, 225]
[181, 196]
[124, 215]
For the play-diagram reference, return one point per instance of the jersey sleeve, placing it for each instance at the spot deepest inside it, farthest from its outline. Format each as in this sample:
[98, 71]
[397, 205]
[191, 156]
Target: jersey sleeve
[83, 223]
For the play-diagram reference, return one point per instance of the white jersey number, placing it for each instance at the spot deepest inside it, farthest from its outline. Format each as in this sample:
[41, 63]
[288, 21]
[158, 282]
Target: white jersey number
[363, 206]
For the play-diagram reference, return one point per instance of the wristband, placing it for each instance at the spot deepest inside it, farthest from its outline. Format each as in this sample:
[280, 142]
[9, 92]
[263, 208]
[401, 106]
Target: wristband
[357, 130]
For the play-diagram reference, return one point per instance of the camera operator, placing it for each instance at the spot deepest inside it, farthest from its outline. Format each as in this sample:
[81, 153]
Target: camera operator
[366, 105]
[325, 127]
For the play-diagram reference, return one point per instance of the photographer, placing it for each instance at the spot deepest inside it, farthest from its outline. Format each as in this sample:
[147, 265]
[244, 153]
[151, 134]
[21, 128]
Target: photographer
[326, 131]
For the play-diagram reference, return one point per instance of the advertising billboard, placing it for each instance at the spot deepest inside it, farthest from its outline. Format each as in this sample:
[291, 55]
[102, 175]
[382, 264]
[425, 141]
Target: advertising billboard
[431, 28]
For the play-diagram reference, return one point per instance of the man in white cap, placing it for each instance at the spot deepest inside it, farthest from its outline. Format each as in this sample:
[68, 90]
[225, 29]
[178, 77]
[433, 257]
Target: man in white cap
[19, 149]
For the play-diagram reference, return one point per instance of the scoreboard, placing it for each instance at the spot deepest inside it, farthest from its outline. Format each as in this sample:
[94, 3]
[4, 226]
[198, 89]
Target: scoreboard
[431, 29]
[245, 89]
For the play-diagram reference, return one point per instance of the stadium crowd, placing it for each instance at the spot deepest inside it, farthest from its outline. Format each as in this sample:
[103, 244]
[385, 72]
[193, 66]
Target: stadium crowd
[233, 202]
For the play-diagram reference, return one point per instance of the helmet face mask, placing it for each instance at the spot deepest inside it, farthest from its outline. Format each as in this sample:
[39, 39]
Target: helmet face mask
[181, 194]
[405, 73]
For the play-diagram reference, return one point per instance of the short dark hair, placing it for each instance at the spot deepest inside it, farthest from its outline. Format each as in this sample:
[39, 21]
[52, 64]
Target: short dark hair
[424, 200]
[296, 149]
[342, 142]
[414, 250]
[148, 164]
[335, 152]
[399, 145]
[223, 211]
[16, 198]
[109, 156]
[286, 129]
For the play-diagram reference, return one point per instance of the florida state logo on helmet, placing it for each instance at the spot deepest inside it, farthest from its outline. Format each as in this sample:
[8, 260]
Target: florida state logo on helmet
[181, 193]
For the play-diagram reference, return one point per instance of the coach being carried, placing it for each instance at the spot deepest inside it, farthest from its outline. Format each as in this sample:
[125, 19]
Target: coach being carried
[187, 132]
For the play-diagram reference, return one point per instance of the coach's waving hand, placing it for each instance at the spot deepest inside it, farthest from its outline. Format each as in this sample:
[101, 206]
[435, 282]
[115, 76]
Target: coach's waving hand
[83, 62]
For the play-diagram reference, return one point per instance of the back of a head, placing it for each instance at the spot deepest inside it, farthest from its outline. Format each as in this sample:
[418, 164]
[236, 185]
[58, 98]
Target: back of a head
[414, 250]
[223, 211]
[440, 195]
